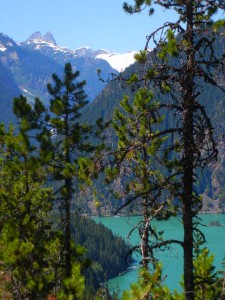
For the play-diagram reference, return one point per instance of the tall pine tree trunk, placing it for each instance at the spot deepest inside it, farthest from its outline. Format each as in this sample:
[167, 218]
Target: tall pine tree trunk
[188, 156]
[145, 235]
[68, 185]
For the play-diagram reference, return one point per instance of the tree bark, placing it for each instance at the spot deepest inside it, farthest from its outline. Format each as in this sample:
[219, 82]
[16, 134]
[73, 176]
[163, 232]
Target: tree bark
[68, 185]
[145, 236]
[188, 155]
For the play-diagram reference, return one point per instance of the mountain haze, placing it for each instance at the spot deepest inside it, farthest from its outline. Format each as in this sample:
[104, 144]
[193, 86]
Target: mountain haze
[27, 67]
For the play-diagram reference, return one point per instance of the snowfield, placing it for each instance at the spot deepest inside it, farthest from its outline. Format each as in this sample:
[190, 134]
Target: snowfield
[118, 61]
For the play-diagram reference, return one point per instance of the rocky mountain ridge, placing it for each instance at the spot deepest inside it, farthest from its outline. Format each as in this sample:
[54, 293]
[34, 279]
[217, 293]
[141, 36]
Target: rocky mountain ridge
[26, 68]
[47, 45]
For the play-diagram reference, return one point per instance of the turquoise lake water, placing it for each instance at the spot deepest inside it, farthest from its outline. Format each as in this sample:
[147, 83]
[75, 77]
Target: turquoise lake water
[171, 259]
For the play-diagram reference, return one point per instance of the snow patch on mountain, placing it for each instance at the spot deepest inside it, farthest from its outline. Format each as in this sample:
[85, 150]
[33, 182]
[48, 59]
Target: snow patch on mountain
[2, 48]
[118, 61]
[39, 44]
[47, 42]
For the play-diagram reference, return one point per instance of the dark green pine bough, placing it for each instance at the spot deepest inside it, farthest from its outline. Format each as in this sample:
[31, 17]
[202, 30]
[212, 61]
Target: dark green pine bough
[27, 241]
[68, 98]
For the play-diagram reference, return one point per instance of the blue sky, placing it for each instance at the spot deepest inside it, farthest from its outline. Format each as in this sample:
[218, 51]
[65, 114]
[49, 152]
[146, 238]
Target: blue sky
[99, 24]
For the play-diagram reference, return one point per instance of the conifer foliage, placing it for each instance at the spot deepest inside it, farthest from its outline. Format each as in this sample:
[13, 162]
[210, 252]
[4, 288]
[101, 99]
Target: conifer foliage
[190, 42]
[68, 99]
[69, 138]
[26, 234]
[42, 161]
[137, 161]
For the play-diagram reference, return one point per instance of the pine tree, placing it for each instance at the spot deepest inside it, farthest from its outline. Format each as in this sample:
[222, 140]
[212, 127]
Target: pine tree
[208, 282]
[136, 161]
[150, 286]
[183, 58]
[69, 137]
[25, 232]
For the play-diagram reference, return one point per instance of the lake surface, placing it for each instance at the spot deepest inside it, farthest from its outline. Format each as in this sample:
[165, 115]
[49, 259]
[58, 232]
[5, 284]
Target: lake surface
[171, 259]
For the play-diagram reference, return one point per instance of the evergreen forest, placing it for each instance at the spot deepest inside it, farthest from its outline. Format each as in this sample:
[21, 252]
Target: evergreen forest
[148, 150]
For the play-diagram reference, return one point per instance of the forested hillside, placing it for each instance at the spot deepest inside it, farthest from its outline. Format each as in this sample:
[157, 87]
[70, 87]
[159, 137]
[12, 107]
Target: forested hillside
[210, 184]
[9, 90]
[108, 253]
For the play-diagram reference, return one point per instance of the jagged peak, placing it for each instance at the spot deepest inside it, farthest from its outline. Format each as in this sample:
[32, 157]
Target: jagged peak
[48, 37]
[35, 36]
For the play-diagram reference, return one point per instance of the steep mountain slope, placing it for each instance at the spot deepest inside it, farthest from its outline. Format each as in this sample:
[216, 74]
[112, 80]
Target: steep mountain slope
[8, 90]
[210, 183]
[26, 68]
[30, 71]
[83, 59]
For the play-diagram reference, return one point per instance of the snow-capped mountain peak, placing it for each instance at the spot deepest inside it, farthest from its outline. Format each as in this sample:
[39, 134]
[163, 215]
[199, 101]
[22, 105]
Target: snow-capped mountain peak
[47, 44]
[47, 38]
